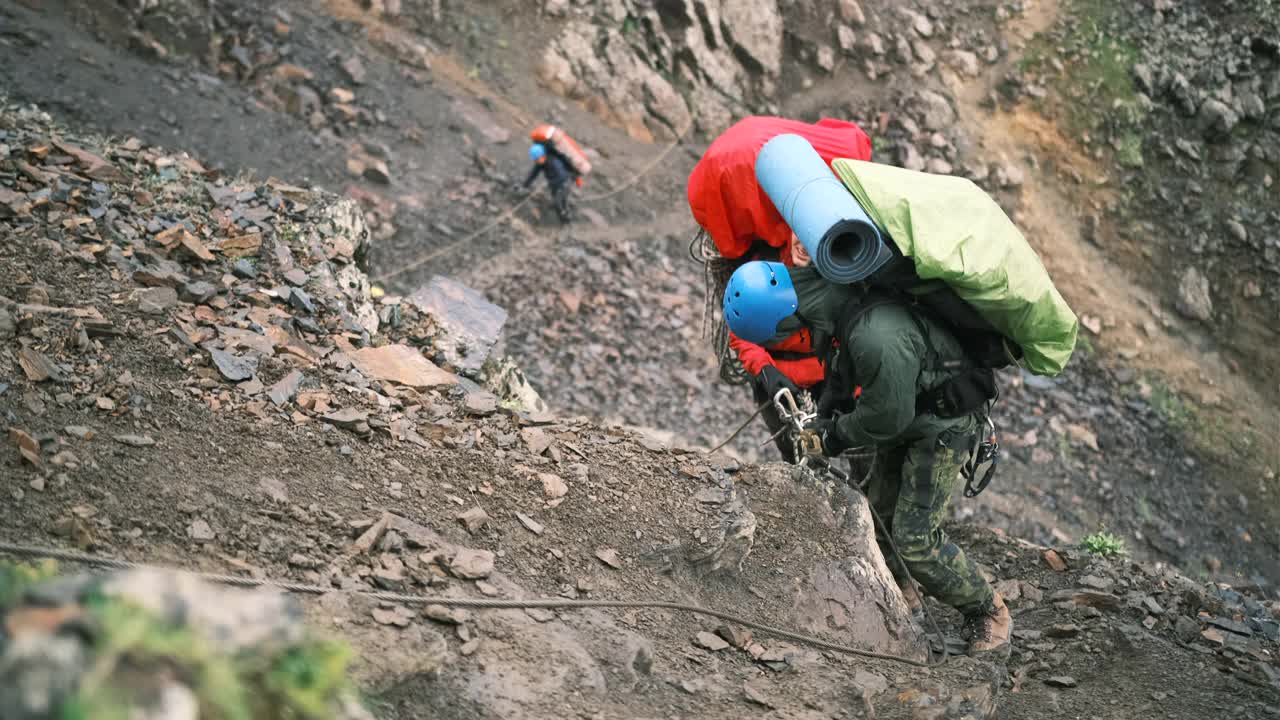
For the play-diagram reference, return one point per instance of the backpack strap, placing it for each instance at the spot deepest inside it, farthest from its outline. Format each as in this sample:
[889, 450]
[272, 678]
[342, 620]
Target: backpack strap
[970, 387]
[838, 388]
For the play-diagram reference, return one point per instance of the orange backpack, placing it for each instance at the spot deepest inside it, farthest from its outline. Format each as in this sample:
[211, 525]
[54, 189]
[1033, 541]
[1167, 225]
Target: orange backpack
[558, 141]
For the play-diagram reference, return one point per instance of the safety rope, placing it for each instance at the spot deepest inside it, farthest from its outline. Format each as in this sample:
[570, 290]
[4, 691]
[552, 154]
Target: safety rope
[635, 178]
[476, 603]
[741, 427]
[428, 257]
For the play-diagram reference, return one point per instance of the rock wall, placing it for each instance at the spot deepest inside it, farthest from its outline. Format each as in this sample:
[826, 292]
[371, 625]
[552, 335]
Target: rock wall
[1183, 100]
[648, 67]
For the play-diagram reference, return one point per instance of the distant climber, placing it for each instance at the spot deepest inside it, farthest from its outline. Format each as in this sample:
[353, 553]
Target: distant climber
[557, 155]
[559, 178]
[897, 357]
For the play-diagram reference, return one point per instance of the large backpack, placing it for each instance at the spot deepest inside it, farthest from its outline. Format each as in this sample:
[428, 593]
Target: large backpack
[963, 263]
[558, 141]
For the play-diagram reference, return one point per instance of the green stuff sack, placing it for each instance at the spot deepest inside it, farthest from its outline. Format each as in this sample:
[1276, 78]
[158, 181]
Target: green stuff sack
[955, 233]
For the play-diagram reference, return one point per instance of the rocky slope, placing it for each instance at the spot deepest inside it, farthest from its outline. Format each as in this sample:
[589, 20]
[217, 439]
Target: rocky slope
[413, 111]
[182, 322]
[1188, 118]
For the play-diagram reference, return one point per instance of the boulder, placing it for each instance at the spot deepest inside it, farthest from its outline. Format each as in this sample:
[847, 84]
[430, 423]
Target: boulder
[935, 110]
[1194, 298]
[467, 325]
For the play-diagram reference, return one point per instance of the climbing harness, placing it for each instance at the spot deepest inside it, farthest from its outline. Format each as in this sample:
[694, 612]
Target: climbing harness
[476, 603]
[983, 458]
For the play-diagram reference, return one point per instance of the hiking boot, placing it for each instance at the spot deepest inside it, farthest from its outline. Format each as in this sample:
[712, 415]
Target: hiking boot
[987, 630]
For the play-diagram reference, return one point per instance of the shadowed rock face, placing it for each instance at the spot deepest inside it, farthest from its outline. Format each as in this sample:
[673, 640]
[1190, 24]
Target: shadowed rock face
[848, 596]
[721, 51]
[162, 27]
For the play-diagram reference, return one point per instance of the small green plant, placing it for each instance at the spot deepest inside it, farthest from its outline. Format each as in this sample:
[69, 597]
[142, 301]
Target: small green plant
[15, 578]
[629, 25]
[1104, 544]
[1084, 346]
[303, 681]
[1170, 405]
[1129, 152]
[1065, 451]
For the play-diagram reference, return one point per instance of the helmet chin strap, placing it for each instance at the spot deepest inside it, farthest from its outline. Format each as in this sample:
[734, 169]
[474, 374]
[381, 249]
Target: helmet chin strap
[787, 327]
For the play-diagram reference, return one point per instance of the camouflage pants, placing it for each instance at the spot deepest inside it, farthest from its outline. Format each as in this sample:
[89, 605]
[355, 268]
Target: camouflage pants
[910, 487]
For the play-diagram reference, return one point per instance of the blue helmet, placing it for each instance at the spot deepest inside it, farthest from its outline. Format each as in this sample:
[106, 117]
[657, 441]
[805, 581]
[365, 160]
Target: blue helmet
[759, 296]
[537, 152]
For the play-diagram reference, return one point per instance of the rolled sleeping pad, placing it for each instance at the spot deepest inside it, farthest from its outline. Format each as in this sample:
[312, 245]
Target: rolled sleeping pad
[843, 242]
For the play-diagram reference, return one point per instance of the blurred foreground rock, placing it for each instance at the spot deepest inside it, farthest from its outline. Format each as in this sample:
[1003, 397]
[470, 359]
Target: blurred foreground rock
[154, 644]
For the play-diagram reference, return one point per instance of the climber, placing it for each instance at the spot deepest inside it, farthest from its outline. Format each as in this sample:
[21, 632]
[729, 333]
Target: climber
[790, 364]
[559, 174]
[738, 223]
[898, 356]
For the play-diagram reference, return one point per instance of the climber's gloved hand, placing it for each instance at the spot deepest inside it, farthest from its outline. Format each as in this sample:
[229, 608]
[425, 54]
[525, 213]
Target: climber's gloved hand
[771, 380]
[828, 431]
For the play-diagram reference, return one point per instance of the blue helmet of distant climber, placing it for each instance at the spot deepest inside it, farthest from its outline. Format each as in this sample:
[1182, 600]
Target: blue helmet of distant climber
[759, 296]
[537, 151]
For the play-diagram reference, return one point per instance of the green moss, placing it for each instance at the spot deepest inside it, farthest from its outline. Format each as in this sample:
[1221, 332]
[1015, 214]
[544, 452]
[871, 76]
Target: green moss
[1095, 85]
[1129, 154]
[1169, 404]
[308, 678]
[304, 682]
[133, 639]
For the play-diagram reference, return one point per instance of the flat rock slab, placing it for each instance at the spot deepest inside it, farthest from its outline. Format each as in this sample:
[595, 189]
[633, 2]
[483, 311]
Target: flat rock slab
[470, 564]
[401, 364]
[284, 390]
[232, 367]
[483, 121]
[470, 324]
[38, 367]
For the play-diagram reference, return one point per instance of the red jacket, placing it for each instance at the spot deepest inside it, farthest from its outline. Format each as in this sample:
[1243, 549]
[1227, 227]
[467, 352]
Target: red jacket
[804, 372]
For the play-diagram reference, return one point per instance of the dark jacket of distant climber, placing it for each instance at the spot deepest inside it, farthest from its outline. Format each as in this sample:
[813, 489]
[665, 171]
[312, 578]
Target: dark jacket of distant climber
[558, 174]
[557, 171]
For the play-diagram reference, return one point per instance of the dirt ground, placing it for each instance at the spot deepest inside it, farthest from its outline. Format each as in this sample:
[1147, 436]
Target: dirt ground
[1094, 449]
